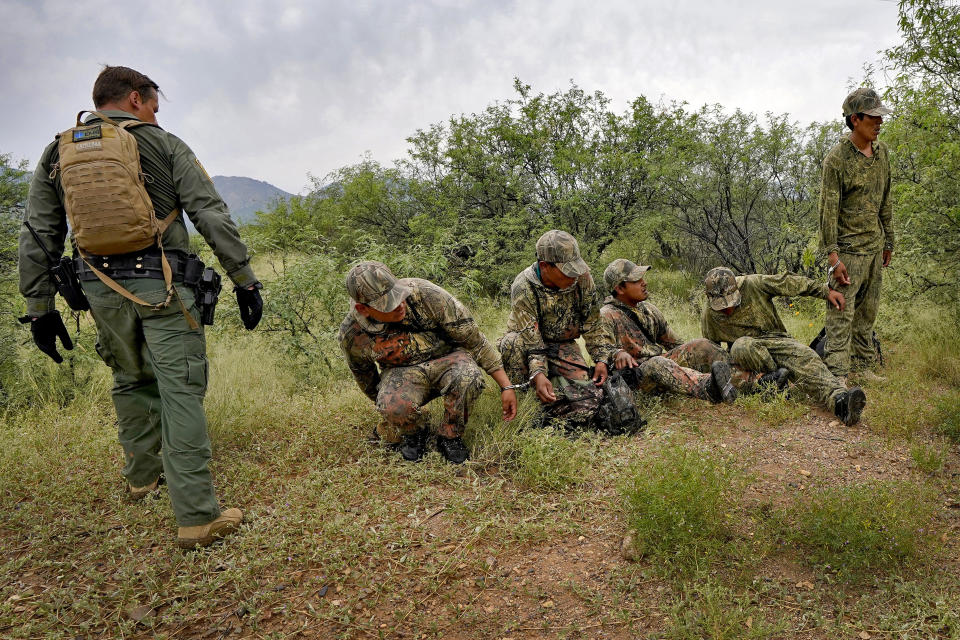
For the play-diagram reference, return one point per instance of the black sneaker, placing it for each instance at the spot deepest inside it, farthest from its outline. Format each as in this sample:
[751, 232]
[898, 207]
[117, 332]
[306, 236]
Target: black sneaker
[775, 379]
[453, 449]
[719, 388]
[849, 405]
[414, 445]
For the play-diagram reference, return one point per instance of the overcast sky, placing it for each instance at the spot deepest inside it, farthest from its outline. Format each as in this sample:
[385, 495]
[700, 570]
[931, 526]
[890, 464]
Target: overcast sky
[277, 90]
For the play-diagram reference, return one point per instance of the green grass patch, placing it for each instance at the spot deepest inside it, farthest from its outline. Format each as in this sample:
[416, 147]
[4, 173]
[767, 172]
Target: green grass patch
[871, 527]
[947, 417]
[928, 458]
[709, 609]
[771, 408]
[679, 503]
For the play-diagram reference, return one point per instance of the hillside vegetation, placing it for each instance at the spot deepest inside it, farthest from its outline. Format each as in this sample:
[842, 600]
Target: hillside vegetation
[764, 519]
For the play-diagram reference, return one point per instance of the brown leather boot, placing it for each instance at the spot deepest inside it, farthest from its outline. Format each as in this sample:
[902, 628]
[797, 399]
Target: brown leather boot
[203, 535]
[139, 493]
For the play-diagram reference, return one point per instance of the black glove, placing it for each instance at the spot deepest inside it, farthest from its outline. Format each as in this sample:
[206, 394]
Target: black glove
[45, 330]
[251, 305]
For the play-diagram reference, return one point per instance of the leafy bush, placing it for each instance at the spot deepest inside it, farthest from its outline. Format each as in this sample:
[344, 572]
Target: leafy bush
[876, 526]
[678, 505]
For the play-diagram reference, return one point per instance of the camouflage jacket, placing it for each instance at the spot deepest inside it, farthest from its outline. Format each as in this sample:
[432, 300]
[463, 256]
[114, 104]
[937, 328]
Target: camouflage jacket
[756, 316]
[541, 315]
[176, 180]
[436, 324]
[642, 331]
[855, 211]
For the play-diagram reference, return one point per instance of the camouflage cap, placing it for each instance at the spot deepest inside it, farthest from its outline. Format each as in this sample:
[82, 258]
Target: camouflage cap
[722, 289]
[372, 284]
[621, 270]
[561, 249]
[865, 101]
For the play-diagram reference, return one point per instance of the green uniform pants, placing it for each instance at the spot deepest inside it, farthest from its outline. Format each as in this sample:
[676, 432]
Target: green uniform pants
[807, 370]
[698, 354]
[403, 391]
[850, 332]
[160, 377]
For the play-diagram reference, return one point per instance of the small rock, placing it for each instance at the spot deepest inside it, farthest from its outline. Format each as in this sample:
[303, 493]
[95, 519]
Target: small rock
[140, 613]
[580, 538]
[864, 635]
[490, 562]
[858, 469]
[322, 592]
[804, 472]
[835, 423]
[805, 585]
[628, 550]
[547, 604]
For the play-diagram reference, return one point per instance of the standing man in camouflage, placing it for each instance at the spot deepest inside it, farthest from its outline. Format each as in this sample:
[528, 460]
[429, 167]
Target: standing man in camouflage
[856, 231]
[427, 345]
[554, 302]
[159, 362]
[695, 368]
[740, 312]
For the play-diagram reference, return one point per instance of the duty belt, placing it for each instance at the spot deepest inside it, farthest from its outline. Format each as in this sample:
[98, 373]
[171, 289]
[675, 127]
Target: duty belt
[143, 264]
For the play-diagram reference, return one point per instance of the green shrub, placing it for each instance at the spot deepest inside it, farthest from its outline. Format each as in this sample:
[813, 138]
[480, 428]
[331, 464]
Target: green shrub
[873, 526]
[678, 505]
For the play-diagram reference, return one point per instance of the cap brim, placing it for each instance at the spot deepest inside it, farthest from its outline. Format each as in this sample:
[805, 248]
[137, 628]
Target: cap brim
[574, 268]
[390, 300]
[879, 111]
[725, 302]
[636, 274]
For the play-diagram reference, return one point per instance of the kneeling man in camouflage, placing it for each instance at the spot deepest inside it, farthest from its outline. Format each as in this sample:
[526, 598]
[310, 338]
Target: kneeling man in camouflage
[427, 345]
[740, 312]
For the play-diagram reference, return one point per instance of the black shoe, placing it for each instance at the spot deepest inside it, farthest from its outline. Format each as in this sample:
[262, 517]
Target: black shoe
[849, 405]
[719, 388]
[414, 445]
[775, 379]
[453, 449]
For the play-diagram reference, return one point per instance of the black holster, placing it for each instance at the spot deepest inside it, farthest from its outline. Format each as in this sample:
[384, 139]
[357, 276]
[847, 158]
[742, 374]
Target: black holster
[208, 293]
[65, 278]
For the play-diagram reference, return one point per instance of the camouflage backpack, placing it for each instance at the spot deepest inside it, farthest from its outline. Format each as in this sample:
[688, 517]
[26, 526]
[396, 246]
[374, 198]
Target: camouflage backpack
[107, 204]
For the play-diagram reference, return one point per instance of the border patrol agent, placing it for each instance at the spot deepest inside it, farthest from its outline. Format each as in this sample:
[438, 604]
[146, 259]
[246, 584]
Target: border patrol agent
[158, 360]
[695, 368]
[427, 345]
[740, 312]
[554, 302]
[856, 231]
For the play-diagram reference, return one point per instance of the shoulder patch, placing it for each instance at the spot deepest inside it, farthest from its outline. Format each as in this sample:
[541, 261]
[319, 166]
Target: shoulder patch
[197, 160]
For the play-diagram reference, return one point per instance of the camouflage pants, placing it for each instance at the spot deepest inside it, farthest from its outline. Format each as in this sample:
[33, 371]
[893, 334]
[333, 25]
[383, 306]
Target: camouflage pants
[660, 373]
[806, 369]
[404, 391]
[850, 332]
[577, 397]
[700, 353]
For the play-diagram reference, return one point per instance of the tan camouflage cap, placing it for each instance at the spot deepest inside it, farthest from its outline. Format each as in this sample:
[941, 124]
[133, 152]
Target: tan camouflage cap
[561, 249]
[621, 270]
[722, 289]
[865, 101]
[372, 284]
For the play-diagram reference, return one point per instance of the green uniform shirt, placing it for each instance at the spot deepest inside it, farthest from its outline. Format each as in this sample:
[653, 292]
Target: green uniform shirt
[564, 315]
[436, 323]
[756, 316]
[176, 179]
[855, 211]
[642, 331]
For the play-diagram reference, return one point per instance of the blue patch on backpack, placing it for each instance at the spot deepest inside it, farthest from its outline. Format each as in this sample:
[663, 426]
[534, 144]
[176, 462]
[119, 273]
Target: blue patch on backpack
[79, 135]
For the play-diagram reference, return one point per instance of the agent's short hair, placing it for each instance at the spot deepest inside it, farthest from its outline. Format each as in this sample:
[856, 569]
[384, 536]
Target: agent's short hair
[850, 120]
[115, 83]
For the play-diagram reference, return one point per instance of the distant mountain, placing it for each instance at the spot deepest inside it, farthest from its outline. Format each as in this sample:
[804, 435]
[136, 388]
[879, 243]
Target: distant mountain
[246, 196]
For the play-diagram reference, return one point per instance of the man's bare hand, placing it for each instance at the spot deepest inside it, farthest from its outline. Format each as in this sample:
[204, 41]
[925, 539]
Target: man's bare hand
[508, 399]
[600, 374]
[544, 388]
[624, 360]
[836, 299]
[840, 270]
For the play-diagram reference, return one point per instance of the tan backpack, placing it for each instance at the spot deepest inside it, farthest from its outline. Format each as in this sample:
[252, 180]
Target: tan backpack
[107, 204]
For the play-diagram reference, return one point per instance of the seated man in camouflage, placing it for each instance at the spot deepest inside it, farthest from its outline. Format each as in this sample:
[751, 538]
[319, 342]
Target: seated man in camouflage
[427, 345]
[740, 312]
[696, 368]
[554, 302]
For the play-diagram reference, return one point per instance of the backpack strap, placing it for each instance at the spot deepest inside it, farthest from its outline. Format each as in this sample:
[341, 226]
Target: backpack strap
[99, 114]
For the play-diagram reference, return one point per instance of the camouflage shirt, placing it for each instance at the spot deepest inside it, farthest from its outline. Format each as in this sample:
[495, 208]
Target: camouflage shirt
[756, 316]
[642, 331]
[176, 180]
[436, 324]
[855, 211]
[541, 315]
